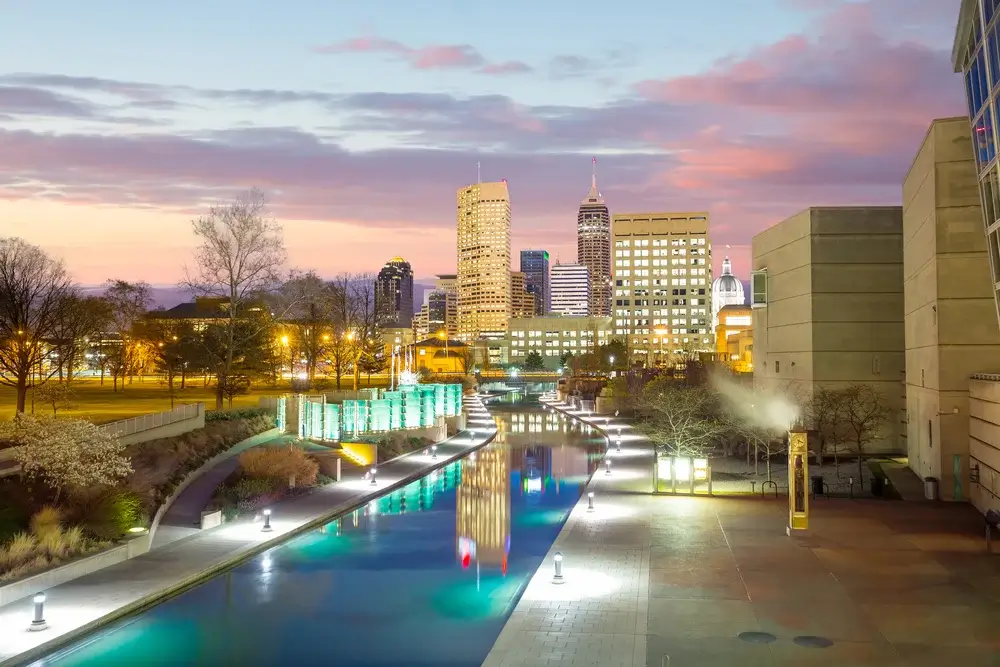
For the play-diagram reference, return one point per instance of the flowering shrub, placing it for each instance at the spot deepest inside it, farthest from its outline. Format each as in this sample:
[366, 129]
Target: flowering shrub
[65, 453]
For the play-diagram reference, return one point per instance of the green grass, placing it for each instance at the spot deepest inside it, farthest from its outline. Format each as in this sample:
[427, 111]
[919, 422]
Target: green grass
[101, 404]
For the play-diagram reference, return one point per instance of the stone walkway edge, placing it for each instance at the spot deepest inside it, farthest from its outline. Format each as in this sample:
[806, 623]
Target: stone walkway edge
[237, 557]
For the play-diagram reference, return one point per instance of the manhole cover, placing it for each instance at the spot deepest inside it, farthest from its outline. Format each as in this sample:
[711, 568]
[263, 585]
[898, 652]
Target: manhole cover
[757, 637]
[813, 642]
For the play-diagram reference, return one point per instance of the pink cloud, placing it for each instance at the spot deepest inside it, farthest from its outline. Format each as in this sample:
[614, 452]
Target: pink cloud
[434, 56]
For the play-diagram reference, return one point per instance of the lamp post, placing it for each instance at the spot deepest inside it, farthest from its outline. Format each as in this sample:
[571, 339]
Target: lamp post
[267, 522]
[38, 620]
[444, 336]
[288, 350]
[798, 473]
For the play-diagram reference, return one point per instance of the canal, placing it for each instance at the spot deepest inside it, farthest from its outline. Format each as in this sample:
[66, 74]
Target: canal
[426, 575]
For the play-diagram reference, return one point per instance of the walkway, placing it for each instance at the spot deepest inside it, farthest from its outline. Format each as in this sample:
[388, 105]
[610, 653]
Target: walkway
[712, 582]
[81, 605]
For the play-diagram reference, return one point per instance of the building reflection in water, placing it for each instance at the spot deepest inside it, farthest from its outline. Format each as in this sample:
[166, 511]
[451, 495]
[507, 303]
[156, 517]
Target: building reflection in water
[483, 505]
[546, 467]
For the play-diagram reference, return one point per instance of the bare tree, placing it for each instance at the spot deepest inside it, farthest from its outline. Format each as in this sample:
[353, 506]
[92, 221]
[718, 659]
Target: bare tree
[864, 414]
[33, 289]
[128, 304]
[309, 318]
[825, 414]
[239, 260]
[79, 318]
[681, 420]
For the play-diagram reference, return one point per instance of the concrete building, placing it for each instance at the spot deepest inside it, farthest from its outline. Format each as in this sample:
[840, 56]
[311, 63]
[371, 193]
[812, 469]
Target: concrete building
[827, 299]
[951, 331]
[394, 294]
[662, 281]
[483, 260]
[535, 267]
[522, 302]
[553, 337]
[440, 355]
[593, 247]
[570, 290]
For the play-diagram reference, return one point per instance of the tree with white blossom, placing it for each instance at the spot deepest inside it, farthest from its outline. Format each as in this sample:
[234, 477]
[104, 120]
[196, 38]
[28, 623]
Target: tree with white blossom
[65, 453]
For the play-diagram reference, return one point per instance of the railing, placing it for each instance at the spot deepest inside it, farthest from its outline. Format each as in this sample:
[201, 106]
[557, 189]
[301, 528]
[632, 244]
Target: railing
[125, 427]
[990, 377]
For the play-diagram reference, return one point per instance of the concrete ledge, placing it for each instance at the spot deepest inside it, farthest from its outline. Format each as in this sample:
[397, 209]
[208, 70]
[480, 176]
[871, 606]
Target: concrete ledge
[74, 569]
[238, 448]
[229, 561]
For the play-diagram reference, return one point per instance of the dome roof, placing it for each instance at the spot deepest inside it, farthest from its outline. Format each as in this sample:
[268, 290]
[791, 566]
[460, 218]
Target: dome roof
[727, 283]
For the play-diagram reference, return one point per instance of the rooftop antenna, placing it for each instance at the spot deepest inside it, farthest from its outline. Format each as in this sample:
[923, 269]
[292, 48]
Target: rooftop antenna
[479, 173]
[593, 175]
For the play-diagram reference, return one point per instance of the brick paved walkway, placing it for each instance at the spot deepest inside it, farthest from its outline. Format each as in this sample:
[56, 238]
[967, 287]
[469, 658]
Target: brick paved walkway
[81, 605]
[713, 582]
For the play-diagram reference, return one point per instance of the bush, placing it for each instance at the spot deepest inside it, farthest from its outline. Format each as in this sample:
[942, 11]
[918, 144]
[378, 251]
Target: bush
[46, 521]
[108, 513]
[291, 465]
[233, 415]
[27, 554]
[250, 487]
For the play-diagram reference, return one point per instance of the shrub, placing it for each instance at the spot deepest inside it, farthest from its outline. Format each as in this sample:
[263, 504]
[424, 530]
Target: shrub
[249, 487]
[291, 465]
[233, 415]
[18, 550]
[46, 521]
[108, 513]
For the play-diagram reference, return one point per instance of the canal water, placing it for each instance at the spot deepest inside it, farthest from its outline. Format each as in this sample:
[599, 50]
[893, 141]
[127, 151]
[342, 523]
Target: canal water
[426, 575]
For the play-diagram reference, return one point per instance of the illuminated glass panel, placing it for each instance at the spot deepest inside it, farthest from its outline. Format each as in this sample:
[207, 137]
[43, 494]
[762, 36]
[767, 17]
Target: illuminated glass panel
[331, 422]
[381, 415]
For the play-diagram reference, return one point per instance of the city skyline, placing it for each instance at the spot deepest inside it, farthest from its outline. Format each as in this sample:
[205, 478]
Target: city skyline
[109, 153]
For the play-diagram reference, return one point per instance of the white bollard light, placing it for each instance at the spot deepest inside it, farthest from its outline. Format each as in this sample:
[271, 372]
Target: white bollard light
[267, 522]
[619, 431]
[434, 452]
[472, 436]
[38, 622]
[590, 501]
[607, 466]
[618, 444]
[558, 577]
[372, 475]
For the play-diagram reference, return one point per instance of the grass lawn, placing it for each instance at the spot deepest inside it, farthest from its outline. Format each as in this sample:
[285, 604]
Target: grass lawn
[100, 404]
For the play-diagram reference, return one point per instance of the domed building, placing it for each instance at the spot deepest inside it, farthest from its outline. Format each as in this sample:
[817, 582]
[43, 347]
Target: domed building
[727, 290]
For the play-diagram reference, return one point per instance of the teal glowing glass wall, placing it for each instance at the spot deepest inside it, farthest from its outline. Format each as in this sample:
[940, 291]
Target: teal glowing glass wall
[315, 420]
[395, 399]
[301, 405]
[411, 407]
[282, 419]
[426, 405]
[381, 412]
[331, 422]
[355, 417]
[439, 390]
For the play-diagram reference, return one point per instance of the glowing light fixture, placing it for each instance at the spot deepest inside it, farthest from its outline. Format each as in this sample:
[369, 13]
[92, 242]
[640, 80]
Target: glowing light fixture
[557, 578]
[590, 501]
[267, 522]
[38, 621]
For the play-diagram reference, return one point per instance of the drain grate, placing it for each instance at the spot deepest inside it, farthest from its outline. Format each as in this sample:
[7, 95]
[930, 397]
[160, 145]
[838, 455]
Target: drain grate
[757, 637]
[809, 641]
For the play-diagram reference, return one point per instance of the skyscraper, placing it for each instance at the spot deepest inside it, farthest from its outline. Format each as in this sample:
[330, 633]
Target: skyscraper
[570, 290]
[593, 247]
[535, 267]
[483, 260]
[663, 279]
[394, 294]
[522, 302]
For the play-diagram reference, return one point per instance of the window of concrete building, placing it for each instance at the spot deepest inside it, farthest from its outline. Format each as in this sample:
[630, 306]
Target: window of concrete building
[993, 244]
[930, 434]
[777, 367]
[758, 289]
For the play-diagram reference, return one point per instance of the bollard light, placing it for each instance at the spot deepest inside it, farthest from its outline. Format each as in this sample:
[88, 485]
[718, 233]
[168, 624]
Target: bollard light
[557, 578]
[267, 522]
[38, 622]
[434, 452]
[372, 475]
[618, 444]
[607, 466]
[472, 436]
[590, 501]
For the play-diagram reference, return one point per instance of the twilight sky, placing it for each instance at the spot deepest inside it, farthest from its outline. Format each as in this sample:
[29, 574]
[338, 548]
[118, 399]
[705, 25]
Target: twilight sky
[121, 120]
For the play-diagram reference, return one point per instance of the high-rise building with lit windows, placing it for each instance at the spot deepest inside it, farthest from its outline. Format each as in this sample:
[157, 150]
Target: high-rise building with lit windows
[484, 300]
[535, 267]
[662, 277]
[593, 247]
[394, 294]
[570, 290]
[483, 505]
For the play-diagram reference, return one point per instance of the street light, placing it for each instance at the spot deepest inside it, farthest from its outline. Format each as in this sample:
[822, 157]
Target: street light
[444, 336]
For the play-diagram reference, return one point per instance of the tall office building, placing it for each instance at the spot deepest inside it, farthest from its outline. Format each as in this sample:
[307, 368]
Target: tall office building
[662, 279]
[522, 302]
[593, 247]
[394, 294]
[535, 267]
[483, 261]
[570, 290]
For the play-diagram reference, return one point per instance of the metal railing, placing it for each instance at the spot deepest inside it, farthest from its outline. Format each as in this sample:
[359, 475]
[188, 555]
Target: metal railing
[120, 429]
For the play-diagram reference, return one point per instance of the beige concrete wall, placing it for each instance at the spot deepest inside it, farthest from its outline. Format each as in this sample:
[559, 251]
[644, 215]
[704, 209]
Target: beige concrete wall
[984, 441]
[951, 329]
[834, 312]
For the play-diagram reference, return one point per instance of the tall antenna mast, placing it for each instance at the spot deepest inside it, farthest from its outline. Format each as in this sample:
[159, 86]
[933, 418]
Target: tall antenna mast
[479, 173]
[593, 175]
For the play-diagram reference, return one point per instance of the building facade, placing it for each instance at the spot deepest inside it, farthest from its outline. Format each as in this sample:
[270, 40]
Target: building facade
[727, 290]
[827, 299]
[535, 267]
[483, 281]
[662, 285]
[593, 247]
[522, 302]
[951, 331]
[570, 290]
[733, 322]
[553, 337]
[394, 294]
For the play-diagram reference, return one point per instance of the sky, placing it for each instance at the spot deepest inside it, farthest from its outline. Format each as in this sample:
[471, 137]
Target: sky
[122, 121]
